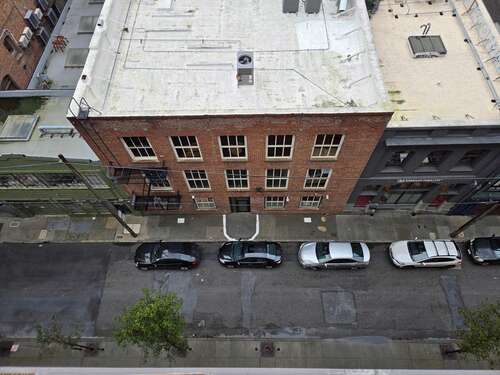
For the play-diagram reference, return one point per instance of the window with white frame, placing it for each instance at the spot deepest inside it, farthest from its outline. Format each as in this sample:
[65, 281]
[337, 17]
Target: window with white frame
[279, 146]
[205, 203]
[139, 148]
[197, 179]
[233, 147]
[275, 202]
[157, 180]
[310, 201]
[186, 147]
[237, 179]
[317, 178]
[277, 179]
[327, 146]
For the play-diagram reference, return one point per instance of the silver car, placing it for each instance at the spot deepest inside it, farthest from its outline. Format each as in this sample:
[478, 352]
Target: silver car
[425, 253]
[334, 254]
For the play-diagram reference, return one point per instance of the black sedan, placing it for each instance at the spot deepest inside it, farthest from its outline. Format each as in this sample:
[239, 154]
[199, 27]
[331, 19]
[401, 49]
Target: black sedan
[250, 254]
[485, 250]
[176, 255]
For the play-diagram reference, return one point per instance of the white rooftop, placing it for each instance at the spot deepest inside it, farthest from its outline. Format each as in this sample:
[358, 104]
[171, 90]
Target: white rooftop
[445, 90]
[49, 134]
[169, 57]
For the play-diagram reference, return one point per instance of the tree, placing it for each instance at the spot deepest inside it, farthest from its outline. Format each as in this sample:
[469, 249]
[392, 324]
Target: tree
[155, 324]
[53, 334]
[481, 337]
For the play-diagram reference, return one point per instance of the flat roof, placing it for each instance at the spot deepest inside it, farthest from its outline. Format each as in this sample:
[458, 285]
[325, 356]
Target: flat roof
[444, 90]
[61, 68]
[163, 58]
[52, 133]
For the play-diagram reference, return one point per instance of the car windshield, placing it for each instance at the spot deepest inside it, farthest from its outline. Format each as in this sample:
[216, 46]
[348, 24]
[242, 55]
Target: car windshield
[357, 251]
[323, 251]
[272, 248]
[495, 246]
[237, 250]
[417, 251]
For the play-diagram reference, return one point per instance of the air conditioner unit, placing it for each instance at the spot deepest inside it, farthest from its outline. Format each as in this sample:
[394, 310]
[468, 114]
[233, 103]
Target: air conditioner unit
[43, 4]
[245, 68]
[44, 35]
[27, 33]
[32, 20]
[52, 16]
[23, 41]
[39, 13]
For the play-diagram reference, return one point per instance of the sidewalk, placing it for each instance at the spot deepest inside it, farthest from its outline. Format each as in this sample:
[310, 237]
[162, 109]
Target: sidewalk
[361, 353]
[382, 227]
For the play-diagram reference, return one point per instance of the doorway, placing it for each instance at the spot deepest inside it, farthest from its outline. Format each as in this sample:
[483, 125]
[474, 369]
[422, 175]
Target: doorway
[239, 204]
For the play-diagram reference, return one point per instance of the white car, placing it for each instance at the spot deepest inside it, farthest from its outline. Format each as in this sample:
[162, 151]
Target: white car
[426, 253]
[334, 254]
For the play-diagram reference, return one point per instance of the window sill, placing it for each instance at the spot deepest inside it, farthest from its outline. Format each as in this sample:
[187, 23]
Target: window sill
[189, 160]
[426, 170]
[461, 168]
[278, 159]
[324, 158]
[392, 170]
[145, 160]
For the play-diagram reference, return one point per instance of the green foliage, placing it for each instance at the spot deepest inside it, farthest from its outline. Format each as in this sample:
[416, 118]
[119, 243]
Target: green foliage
[481, 338]
[53, 334]
[155, 324]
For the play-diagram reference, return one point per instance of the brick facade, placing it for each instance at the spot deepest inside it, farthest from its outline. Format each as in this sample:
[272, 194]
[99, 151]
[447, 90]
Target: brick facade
[17, 66]
[361, 134]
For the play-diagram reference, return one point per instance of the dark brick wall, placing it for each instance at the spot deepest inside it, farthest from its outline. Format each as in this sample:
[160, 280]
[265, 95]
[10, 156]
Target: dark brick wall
[362, 132]
[21, 64]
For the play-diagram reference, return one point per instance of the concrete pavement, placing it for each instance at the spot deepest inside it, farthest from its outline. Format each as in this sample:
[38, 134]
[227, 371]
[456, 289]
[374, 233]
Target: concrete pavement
[356, 353]
[382, 227]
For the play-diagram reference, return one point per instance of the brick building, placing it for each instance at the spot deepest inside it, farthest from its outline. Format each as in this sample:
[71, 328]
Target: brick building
[17, 61]
[232, 106]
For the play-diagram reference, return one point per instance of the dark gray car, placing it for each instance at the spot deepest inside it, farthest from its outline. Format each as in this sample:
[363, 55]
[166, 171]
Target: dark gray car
[485, 250]
[168, 255]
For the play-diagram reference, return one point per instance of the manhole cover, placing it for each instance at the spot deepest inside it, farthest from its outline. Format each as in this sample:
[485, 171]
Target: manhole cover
[267, 349]
[338, 307]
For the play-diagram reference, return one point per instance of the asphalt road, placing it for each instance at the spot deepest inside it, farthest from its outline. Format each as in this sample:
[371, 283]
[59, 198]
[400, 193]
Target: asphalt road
[88, 285]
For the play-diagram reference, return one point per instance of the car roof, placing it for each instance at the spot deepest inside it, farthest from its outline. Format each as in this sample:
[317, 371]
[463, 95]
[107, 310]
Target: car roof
[487, 243]
[340, 250]
[440, 249]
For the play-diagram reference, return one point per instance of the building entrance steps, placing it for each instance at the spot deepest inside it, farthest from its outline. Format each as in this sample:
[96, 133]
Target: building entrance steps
[241, 225]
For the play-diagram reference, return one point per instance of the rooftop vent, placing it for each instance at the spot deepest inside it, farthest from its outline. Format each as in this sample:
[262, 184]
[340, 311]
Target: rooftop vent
[426, 46]
[290, 6]
[53, 130]
[245, 68]
[313, 6]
